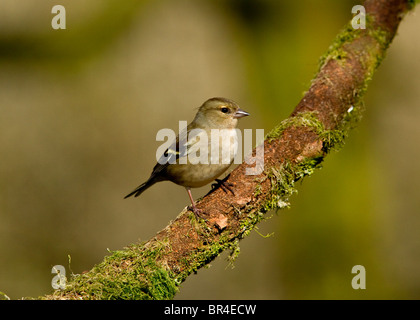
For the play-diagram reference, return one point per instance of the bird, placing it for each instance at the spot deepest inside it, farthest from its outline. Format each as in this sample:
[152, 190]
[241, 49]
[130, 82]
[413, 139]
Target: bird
[197, 156]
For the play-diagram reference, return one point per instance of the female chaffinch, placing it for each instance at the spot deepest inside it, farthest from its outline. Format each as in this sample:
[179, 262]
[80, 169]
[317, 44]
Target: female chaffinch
[195, 158]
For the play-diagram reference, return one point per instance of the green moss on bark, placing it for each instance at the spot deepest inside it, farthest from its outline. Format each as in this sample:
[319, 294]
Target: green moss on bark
[132, 274]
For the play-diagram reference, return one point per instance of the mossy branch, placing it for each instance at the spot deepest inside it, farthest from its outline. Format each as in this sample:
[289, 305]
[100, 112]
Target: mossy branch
[293, 150]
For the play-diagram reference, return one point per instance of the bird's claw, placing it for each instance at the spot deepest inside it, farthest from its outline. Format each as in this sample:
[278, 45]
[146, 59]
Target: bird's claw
[226, 186]
[197, 212]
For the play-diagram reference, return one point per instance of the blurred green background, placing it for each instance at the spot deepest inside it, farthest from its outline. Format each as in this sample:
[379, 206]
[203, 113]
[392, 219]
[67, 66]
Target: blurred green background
[79, 112]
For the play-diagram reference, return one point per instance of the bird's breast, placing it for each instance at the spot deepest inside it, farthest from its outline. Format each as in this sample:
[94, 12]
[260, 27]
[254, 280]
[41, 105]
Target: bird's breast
[206, 160]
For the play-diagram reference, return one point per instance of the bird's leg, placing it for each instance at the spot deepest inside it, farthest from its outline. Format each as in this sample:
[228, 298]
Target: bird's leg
[194, 209]
[222, 183]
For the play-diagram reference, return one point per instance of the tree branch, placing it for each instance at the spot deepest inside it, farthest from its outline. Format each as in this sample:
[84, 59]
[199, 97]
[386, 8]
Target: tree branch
[293, 150]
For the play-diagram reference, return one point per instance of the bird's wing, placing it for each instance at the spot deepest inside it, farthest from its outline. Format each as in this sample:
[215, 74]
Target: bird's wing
[179, 148]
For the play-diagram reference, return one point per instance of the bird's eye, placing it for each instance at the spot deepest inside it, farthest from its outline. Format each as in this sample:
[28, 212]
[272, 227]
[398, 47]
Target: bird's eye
[224, 110]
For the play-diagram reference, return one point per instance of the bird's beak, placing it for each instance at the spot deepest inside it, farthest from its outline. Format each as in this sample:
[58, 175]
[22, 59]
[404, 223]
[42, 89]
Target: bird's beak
[240, 113]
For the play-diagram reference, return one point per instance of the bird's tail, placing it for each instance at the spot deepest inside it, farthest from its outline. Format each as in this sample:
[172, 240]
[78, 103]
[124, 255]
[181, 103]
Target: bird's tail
[141, 188]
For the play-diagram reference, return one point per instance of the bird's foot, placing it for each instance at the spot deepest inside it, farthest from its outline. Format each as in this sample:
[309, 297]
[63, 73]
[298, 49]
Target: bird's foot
[197, 212]
[222, 183]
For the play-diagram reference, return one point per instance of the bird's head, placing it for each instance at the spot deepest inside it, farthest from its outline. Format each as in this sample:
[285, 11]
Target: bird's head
[219, 113]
